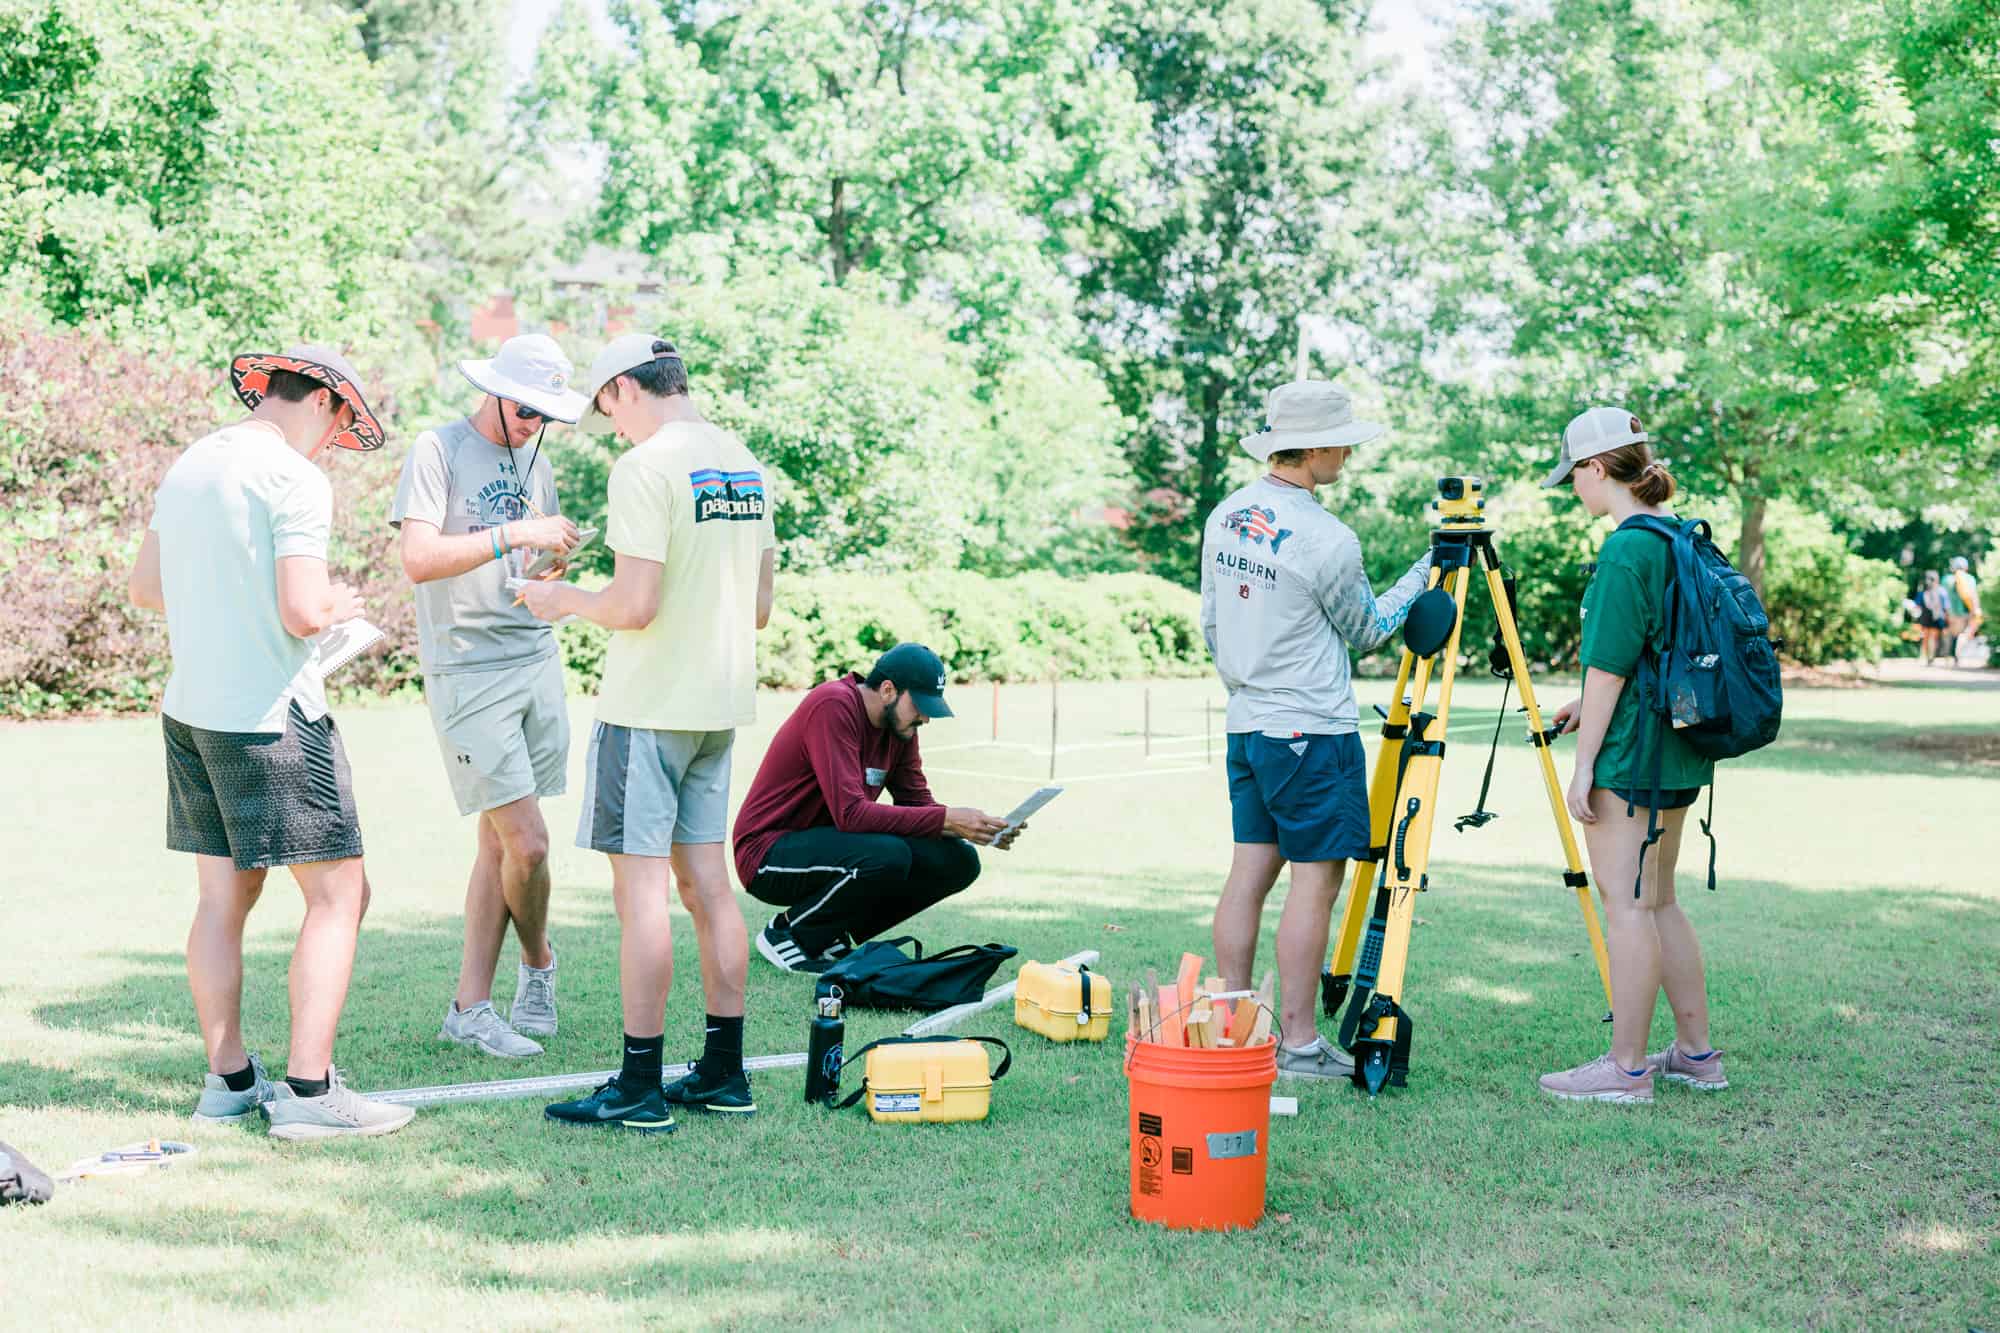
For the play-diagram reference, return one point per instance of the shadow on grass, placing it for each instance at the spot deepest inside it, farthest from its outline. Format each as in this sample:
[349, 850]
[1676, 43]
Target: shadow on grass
[1831, 748]
[800, 1212]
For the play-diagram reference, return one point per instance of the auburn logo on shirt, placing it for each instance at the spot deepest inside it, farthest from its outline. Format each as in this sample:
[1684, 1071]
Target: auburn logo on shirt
[731, 496]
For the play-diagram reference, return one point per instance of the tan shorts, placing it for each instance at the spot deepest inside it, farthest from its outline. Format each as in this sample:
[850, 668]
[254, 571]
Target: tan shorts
[504, 733]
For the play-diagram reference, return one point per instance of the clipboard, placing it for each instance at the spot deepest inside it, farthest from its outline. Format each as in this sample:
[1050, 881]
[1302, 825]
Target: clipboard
[1021, 813]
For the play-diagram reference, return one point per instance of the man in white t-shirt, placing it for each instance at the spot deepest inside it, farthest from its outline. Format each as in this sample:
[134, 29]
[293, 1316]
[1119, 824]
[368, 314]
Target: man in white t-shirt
[235, 555]
[475, 506]
[691, 525]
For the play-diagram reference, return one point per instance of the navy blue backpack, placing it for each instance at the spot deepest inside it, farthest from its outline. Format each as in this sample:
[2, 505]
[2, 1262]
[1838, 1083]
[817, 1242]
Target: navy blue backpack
[1713, 675]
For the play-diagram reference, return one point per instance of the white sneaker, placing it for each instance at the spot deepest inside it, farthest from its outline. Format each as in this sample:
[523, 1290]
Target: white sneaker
[482, 1028]
[1322, 1059]
[220, 1106]
[337, 1113]
[534, 1008]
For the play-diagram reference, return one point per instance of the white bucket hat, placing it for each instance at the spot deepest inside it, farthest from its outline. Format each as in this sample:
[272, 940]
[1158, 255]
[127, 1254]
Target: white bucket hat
[1309, 414]
[530, 370]
[625, 352]
[1597, 430]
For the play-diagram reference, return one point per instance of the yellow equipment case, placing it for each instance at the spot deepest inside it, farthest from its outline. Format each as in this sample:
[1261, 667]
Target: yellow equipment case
[928, 1078]
[1049, 998]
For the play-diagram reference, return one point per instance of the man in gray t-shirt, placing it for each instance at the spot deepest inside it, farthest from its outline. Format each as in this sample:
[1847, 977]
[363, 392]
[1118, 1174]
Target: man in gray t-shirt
[475, 504]
[1283, 601]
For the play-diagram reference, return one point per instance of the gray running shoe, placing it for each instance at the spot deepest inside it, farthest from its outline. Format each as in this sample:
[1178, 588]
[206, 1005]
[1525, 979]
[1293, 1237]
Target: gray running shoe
[338, 1113]
[220, 1106]
[1322, 1059]
[1677, 1066]
[534, 1010]
[482, 1028]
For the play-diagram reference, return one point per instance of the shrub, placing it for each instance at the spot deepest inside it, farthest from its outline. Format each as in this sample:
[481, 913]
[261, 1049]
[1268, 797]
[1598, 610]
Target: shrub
[1027, 627]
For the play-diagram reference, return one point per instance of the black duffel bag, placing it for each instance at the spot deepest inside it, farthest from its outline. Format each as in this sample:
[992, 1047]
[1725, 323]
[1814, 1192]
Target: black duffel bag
[879, 975]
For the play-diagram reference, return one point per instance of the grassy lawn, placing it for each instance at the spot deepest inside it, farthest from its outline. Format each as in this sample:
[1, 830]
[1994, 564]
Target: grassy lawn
[1848, 1177]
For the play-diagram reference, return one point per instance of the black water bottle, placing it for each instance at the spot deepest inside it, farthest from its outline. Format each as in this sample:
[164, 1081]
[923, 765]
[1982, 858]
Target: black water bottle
[823, 1050]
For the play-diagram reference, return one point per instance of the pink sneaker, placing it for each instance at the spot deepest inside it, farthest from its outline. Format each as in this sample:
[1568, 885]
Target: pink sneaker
[1600, 1081]
[1676, 1065]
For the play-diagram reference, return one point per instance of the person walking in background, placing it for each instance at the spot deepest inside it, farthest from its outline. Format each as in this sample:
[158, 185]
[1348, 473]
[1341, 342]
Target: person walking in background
[692, 528]
[1608, 461]
[1284, 600]
[469, 512]
[1963, 615]
[1933, 614]
[235, 555]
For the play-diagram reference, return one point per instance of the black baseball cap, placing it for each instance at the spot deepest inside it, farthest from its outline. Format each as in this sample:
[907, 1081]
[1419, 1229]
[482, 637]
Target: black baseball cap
[917, 672]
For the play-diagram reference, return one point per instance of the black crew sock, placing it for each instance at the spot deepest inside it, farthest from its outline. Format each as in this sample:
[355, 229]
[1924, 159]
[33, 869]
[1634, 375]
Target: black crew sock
[308, 1087]
[242, 1080]
[722, 1048]
[642, 1062]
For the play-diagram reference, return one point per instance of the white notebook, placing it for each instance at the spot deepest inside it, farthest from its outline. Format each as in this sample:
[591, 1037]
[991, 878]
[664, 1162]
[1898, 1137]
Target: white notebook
[340, 644]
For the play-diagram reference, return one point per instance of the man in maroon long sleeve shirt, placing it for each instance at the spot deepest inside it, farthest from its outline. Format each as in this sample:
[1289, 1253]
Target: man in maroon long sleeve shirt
[811, 838]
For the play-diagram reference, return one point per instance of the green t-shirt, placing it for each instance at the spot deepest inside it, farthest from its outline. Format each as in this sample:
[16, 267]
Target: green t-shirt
[1621, 614]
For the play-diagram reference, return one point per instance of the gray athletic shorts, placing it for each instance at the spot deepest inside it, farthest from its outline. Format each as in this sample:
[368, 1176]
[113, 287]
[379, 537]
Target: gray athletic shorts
[644, 791]
[504, 733]
[258, 799]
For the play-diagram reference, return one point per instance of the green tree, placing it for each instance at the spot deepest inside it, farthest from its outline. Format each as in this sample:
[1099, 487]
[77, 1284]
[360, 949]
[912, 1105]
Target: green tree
[1247, 220]
[1769, 229]
[208, 177]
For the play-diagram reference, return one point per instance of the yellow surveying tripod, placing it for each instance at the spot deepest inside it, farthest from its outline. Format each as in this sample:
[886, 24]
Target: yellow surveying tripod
[1373, 945]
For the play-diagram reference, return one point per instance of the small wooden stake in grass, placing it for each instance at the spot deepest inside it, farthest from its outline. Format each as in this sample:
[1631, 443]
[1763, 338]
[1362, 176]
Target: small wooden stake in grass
[1054, 714]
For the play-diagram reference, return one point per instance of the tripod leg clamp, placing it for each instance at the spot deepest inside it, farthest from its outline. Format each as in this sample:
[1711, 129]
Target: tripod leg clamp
[1576, 879]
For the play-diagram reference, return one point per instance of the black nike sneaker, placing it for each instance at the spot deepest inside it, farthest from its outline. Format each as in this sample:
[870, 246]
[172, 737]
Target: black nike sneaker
[701, 1091]
[646, 1111]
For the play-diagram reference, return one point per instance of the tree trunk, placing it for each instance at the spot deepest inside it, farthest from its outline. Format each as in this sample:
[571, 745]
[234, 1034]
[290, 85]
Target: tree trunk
[1750, 543]
[836, 231]
[1208, 462]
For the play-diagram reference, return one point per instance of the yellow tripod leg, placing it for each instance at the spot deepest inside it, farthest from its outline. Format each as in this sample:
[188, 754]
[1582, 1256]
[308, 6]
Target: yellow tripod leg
[1574, 874]
[1375, 1027]
[1381, 796]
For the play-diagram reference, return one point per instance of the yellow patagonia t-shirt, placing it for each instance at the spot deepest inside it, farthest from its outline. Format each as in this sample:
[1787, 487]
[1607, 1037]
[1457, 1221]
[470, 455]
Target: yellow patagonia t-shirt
[695, 500]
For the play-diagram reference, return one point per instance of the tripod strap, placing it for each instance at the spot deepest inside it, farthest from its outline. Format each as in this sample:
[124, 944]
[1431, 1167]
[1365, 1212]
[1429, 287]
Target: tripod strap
[1708, 831]
[1480, 814]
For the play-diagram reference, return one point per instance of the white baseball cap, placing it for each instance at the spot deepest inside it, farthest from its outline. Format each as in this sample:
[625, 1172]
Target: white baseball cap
[1595, 431]
[1309, 414]
[531, 370]
[625, 352]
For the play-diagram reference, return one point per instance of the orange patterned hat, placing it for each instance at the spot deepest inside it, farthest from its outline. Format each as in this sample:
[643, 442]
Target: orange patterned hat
[250, 377]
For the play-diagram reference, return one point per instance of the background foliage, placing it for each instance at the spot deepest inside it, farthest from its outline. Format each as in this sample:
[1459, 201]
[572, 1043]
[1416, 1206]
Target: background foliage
[994, 289]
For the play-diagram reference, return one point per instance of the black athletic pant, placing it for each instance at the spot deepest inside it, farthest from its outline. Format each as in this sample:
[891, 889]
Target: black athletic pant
[858, 885]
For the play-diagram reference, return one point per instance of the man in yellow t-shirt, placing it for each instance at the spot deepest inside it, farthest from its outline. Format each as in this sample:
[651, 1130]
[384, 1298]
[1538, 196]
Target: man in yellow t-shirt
[690, 522]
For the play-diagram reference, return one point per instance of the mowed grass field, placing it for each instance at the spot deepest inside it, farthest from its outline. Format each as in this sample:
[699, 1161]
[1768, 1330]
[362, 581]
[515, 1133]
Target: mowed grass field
[1849, 1177]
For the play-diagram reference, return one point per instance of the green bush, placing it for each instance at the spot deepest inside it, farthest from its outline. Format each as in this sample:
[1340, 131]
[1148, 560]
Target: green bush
[1027, 627]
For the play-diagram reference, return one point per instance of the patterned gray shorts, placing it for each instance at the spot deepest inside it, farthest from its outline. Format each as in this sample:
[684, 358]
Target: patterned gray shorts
[258, 799]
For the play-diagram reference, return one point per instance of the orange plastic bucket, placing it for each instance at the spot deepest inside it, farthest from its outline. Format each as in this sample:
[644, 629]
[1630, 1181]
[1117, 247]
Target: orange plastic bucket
[1200, 1128]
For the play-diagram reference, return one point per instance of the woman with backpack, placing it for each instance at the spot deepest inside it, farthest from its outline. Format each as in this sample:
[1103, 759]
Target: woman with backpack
[1632, 771]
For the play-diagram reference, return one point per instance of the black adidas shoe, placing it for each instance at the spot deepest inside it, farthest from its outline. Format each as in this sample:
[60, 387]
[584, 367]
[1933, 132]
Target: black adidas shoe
[645, 1112]
[781, 949]
[700, 1091]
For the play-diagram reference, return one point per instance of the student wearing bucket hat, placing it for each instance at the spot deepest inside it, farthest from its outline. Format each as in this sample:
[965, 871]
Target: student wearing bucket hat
[690, 522]
[470, 512]
[235, 555]
[1283, 601]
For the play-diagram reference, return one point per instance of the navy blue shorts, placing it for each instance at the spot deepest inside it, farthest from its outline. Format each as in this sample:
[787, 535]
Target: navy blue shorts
[1308, 794]
[1671, 798]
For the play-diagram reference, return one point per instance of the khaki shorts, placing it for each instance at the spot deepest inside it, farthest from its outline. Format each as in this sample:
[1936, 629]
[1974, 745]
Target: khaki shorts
[504, 733]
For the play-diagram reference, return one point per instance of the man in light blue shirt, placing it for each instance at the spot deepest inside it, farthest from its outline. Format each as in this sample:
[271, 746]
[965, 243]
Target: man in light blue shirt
[1283, 601]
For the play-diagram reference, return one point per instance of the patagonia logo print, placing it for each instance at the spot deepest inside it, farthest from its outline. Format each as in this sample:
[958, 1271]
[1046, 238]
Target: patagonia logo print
[727, 495]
